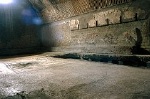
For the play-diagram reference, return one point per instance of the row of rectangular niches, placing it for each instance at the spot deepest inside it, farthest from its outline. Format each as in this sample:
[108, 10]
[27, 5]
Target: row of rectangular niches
[107, 23]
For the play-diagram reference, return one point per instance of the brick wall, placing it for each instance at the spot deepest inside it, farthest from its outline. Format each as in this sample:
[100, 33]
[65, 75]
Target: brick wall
[110, 30]
[57, 10]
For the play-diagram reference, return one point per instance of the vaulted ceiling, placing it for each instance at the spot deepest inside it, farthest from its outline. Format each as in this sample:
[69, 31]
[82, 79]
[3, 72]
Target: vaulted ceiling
[54, 10]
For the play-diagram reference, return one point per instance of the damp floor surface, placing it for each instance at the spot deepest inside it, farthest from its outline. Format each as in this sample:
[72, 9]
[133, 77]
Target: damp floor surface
[44, 77]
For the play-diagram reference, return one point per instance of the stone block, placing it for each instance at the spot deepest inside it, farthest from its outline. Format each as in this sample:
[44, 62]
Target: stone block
[101, 19]
[92, 23]
[141, 14]
[74, 24]
[113, 16]
[128, 16]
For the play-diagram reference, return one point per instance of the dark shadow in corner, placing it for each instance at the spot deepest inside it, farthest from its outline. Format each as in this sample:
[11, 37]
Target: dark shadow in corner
[137, 48]
[128, 60]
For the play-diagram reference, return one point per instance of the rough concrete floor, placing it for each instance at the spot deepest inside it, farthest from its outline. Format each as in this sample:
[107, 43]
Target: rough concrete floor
[44, 77]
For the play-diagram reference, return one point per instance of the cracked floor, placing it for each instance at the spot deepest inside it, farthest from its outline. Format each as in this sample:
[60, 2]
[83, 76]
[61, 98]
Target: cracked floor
[44, 77]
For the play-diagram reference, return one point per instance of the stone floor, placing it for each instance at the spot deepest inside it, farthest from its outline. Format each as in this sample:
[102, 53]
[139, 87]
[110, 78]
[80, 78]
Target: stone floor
[44, 77]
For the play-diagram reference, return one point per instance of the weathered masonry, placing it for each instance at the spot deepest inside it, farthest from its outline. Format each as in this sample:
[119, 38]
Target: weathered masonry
[95, 26]
[54, 10]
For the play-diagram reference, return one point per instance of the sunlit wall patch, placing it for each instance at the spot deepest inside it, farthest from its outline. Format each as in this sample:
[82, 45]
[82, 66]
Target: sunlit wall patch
[6, 1]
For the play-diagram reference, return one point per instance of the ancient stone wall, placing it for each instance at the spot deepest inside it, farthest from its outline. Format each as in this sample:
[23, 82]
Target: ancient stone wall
[114, 30]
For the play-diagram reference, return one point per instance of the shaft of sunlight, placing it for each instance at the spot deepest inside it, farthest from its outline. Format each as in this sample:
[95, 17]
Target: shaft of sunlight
[6, 1]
